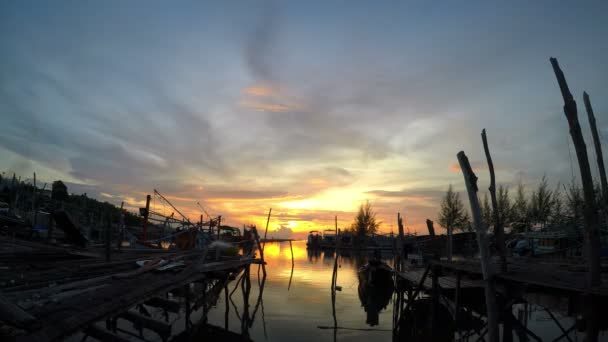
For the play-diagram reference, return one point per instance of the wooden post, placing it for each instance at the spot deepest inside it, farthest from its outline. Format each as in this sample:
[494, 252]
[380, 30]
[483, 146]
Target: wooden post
[108, 236]
[429, 226]
[591, 218]
[266, 231]
[121, 228]
[598, 149]
[291, 248]
[449, 248]
[434, 300]
[457, 299]
[146, 215]
[257, 240]
[499, 231]
[226, 299]
[219, 223]
[400, 245]
[34, 203]
[470, 181]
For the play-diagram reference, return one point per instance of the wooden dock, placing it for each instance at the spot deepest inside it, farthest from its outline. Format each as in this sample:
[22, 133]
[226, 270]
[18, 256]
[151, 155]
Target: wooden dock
[49, 293]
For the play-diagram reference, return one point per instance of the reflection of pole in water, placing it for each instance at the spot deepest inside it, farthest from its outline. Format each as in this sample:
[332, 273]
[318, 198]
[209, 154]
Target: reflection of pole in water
[292, 265]
[246, 289]
[226, 316]
[334, 278]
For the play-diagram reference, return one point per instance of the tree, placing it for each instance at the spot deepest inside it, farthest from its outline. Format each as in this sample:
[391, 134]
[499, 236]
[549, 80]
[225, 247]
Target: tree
[520, 210]
[541, 203]
[558, 211]
[486, 212]
[505, 210]
[59, 192]
[574, 202]
[453, 215]
[365, 222]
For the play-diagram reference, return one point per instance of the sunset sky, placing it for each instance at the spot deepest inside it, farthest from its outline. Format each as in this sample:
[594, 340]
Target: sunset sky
[307, 107]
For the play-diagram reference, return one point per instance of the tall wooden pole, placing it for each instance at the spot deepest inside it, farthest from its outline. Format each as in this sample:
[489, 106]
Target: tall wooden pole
[591, 217]
[429, 226]
[470, 181]
[499, 231]
[146, 215]
[598, 149]
[34, 203]
[108, 235]
[590, 214]
[266, 231]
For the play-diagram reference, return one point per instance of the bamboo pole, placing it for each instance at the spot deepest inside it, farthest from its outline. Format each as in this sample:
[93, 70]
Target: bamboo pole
[598, 149]
[470, 181]
[499, 231]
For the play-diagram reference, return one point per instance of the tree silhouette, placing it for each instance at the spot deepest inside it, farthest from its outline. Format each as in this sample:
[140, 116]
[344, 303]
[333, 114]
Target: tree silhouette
[453, 214]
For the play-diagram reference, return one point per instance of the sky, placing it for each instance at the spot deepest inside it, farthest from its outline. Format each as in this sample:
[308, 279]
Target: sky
[310, 108]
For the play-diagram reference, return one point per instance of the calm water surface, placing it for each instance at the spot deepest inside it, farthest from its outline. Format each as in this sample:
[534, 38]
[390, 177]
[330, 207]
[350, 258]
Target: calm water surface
[296, 303]
[294, 312]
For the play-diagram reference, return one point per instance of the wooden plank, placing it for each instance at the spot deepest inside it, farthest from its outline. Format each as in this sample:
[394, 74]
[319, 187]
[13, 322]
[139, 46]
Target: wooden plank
[103, 335]
[14, 315]
[62, 319]
[140, 321]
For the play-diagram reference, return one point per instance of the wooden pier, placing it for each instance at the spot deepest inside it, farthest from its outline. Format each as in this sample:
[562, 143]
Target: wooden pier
[556, 286]
[49, 293]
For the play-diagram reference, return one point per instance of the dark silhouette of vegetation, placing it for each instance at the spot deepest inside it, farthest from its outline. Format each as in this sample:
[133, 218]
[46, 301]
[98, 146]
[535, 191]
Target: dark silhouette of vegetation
[365, 222]
[59, 191]
[453, 215]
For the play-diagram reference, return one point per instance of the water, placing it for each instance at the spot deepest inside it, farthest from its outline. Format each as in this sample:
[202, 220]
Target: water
[294, 312]
[296, 302]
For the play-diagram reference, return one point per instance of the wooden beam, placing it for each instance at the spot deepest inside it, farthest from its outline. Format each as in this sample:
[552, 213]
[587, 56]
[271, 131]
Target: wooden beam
[140, 321]
[430, 227]
[166, 304]
[103, 335]
[13, 314]
[499, 231]
[590, 214]
[470, 180]
[598, 149]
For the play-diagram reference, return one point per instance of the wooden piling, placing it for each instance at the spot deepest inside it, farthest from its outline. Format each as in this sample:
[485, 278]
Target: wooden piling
[482, 240]
[590, 215]
[146, 216]
[108, 239]
[266, 230]
[598, 149]
[34, 203]
[499, 231]
[430, 227]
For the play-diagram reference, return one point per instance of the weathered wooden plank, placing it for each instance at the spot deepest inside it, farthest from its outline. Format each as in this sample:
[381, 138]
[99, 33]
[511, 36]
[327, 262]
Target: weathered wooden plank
[103, 335]
[13, 314]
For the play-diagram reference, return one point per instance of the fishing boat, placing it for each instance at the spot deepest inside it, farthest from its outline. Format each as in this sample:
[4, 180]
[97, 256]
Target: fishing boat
[314, 240]
[375, 288]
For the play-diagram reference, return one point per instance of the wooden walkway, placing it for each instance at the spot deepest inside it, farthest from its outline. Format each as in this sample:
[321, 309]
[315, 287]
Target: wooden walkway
[56, 292]
[565, 277]
[415, 275]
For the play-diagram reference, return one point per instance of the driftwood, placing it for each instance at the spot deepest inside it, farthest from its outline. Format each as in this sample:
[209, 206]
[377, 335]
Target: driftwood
[499, 231]
[598, 149]
[470, 181]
